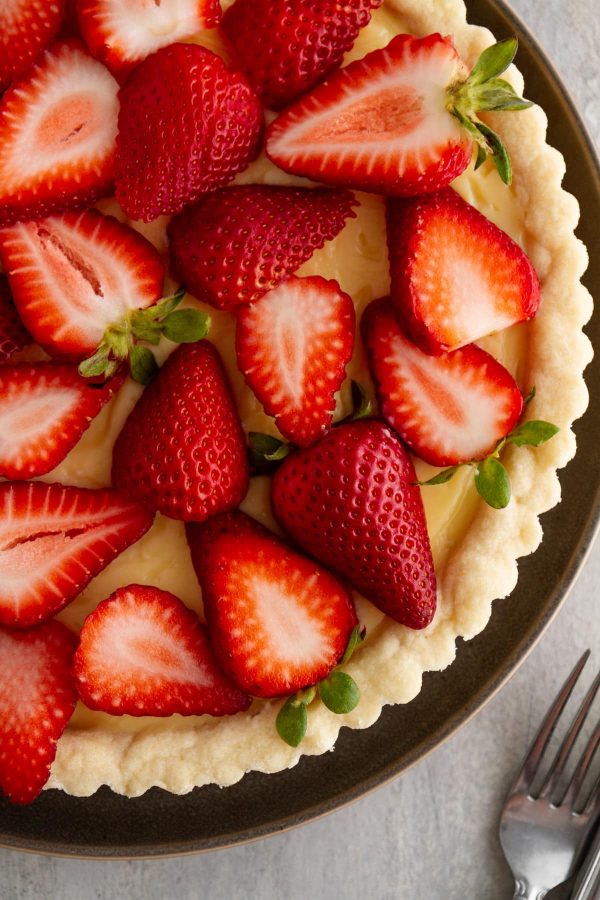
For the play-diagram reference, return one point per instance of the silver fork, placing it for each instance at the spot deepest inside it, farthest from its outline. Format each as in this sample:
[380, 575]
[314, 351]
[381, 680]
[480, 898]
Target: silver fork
[543, 834]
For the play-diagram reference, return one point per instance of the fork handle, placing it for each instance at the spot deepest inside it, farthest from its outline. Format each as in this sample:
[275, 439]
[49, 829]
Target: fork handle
[526, 891]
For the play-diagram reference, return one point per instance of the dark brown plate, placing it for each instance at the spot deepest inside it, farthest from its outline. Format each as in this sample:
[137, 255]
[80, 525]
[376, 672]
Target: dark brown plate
[107, 825]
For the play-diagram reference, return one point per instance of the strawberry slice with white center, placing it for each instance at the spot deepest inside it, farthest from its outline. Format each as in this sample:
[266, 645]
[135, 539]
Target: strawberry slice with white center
[26, 29]
[58, 129]
[455, 276]
[401, 121]
[37, 699]
[73, 276]
[278, 622]
[143, 653]
[54, 540]
[450, 408]
[121, 34]
[44, 410]
[292, 346]
[13, 336]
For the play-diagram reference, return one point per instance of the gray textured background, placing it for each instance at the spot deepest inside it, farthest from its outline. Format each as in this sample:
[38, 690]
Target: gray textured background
[431, 835]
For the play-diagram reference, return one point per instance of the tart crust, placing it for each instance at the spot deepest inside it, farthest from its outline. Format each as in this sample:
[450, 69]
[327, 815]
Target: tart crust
[389, 667]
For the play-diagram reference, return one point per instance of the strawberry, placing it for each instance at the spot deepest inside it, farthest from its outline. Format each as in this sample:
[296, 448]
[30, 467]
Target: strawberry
[142, 652]
[76, 275]
[400, 121]
[286, 46]
[13, 336]
[350, 501]
[26, 29]
[121, 34]
[44, 410]
[37, 699]
[455, 276]
[239, 243]
[182, 449]
[278, 622]
[57, 135]
[292, 346]
[54, 540]
[187, 126]
[449, 408]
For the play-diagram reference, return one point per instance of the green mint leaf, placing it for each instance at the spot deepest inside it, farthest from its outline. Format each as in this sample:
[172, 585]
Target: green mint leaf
[292, 722]
[529, 396]
[357, 636]
[362, 407]
[500, 155]
[532, 433]
[442, 477]
[186, 326]
[339, 692]
[96, 364]
[492, 483]
[481, 157]
[493, 61]
[144, 367]
[266, 451]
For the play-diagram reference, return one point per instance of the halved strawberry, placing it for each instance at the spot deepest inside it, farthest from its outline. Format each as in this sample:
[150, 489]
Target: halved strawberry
[286, 46]
[182, 449]
[121, 34]
[455, 275]
[44, 410]
[278, 622]
[293, 346]
[237, 244]
[400, 121]
[26, 29]
[13, 336]
[450, 408]
[54, 540]
[37, 699]
[187, 126]
[142, 652]
[58, 128]
[73, 276]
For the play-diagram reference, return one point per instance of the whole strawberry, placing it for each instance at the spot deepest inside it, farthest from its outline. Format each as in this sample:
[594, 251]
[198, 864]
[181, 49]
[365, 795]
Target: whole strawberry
[187, 126]
[182, 449]
[351, 502]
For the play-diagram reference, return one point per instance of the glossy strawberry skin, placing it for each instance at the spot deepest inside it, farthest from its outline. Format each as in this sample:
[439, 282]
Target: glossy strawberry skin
[37, 699]
[237, 244]
[182, 449]
[26, 29]
[432, 237]
[13, 336]
[142, 652]
[286, 46]
[187, 126]
[278, 622]
[351, 502]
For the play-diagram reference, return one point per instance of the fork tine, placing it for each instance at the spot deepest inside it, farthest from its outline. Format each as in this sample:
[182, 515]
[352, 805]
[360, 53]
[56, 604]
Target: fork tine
[563, 753]
[530, 765]
[582, 768]
[592, 807]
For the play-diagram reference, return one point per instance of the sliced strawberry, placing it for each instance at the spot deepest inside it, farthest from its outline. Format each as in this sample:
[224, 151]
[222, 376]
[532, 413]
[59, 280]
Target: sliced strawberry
[37, 699]
[121, 34]
[58, 128]
[401, 121]
[13, 336]
[26, 29]
[44, 410]
[54, 540]
[293, 346]
[182, 449]
[73, 276]
[455, 275]
[286, 46]
[278, 622]
[143, 653]
[187, 126]
[450, 408]
[239, 243]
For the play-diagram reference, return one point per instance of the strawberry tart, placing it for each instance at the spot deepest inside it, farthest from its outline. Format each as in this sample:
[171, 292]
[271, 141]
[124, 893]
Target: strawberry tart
[282, 286]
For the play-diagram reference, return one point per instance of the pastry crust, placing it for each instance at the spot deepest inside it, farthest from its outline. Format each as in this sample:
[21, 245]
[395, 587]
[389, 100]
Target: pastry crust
[190, 752]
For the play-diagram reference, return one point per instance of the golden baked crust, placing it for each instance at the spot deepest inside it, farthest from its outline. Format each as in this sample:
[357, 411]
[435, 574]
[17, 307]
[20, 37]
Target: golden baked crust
[179, 754]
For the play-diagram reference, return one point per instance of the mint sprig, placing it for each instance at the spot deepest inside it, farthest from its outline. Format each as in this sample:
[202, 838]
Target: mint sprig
[484, 91]
[120, 341]
[338, 691]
